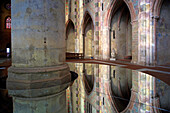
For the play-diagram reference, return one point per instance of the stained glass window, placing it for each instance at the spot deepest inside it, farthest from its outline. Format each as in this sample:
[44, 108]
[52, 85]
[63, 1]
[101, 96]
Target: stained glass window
[8, 23]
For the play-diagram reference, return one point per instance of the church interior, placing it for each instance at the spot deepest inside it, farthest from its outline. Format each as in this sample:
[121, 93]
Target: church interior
[84, 56]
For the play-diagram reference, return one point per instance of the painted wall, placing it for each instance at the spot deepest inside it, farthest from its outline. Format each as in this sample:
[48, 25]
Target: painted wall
[163, 53]
[163, 91]
[163, 34]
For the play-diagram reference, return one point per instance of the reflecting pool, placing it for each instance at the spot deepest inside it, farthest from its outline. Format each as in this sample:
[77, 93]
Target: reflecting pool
[106, 89]
[112, 89]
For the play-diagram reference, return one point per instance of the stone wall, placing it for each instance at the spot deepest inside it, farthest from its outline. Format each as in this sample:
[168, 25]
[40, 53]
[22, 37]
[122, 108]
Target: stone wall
[163, 34]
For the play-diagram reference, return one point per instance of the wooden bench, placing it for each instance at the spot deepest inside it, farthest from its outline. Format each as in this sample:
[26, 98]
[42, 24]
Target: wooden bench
[3, 54]
[74, 55]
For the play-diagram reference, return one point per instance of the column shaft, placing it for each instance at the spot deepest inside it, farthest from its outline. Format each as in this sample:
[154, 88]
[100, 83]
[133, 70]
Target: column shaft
[39, 76]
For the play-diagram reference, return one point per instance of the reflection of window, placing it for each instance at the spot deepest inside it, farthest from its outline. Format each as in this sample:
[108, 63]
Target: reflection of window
[89, 108]
[8, 23]
[8, 52]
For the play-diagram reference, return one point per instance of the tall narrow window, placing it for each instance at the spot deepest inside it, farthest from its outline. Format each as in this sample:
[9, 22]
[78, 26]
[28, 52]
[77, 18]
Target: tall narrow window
[114, 34]
[113, 73]
[8, 23]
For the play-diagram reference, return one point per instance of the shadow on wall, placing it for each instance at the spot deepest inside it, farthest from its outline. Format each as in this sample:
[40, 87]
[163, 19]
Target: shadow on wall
[163, 34]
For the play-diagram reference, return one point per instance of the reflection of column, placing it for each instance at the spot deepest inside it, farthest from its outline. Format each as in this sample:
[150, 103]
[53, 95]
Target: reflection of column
[38, 76]
[104, 76]
[145, 92]
[156, 104]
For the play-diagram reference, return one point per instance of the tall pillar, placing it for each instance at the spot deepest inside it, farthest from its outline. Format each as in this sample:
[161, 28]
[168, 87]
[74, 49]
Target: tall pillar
[134, 41]
[39, 76]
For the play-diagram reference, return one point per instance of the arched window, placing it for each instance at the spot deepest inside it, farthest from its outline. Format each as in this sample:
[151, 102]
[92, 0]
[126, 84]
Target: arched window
[8, 23]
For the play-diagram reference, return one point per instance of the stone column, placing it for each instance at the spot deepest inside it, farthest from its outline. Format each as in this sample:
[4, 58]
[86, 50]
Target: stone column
[106, 43]
[39, 76]
[134, 41]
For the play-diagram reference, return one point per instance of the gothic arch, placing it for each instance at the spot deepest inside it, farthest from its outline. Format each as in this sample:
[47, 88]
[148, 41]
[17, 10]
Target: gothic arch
[156, 7]
[86, 19]
[70, 37]
[88, 31]
[68, 24]
[115, 4]
[120, 32]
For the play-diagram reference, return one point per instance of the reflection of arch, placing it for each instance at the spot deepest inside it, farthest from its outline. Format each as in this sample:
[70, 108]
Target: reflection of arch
[88, 80]
[119, 87]
[69, 24]
[131, 101]
[88, 88]
[115, 4]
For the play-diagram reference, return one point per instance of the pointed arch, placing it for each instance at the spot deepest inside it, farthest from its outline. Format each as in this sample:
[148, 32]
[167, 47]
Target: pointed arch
[69, 24]
[120, 32]
[70, 37]
[156, 8]
[87, 18]
[115, 4]
[88, 31]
